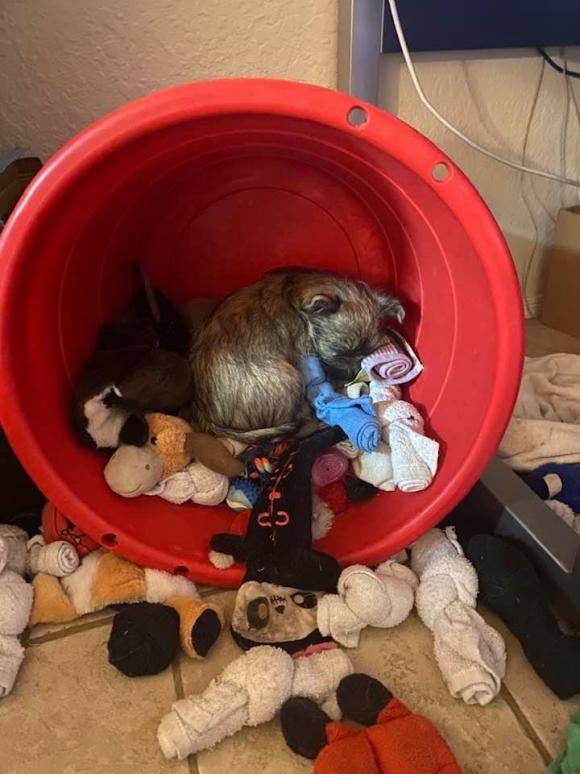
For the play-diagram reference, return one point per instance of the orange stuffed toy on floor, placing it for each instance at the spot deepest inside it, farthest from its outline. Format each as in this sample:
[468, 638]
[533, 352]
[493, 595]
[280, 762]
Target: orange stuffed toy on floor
[396, 741]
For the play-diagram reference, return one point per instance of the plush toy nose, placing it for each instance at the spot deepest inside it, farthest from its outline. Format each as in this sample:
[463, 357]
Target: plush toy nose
[280, 608]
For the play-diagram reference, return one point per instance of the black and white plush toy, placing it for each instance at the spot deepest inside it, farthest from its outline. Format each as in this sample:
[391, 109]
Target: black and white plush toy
[268, 614]
[296, 619]
[139, 365]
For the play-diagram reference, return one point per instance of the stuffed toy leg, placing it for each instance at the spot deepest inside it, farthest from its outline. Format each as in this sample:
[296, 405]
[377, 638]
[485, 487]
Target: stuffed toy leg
[104, 579]
[382, 598]
[471, 655]
[250, 691]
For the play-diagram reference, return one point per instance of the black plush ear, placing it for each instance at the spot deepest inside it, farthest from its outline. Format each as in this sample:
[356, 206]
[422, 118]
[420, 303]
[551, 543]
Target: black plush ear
[226, 543]
[135, 431]
[391, 307]
[321, 305]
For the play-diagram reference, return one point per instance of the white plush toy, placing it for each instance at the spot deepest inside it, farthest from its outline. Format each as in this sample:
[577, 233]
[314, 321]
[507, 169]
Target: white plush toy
[195, 483]
[382, 598]
[250, 691]
[471, 654]
[406, 459]
[19, 557]
[413, 455]
[15, 605]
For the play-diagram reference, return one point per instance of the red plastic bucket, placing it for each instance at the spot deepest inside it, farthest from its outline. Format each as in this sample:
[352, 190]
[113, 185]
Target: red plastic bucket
[210, 185]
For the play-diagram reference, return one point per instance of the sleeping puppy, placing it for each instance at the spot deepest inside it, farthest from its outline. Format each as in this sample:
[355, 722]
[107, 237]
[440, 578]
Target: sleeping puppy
[244, 357]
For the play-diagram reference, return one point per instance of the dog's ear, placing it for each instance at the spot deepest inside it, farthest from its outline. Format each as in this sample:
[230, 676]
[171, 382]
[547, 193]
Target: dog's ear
[320, 305]
[391, 307]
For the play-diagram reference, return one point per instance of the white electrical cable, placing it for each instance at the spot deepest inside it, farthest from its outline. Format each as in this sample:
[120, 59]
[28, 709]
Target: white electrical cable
[532, 256]
[564, 126]
[449, 126]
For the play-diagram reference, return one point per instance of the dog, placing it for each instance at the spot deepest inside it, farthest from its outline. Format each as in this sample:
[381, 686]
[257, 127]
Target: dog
[244, 356]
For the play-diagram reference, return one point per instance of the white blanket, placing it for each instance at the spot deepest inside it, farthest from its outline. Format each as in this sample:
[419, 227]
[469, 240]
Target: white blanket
[545, 426]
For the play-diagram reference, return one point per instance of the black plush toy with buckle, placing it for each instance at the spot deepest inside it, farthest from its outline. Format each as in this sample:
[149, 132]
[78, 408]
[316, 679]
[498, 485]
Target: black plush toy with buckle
[277, 547]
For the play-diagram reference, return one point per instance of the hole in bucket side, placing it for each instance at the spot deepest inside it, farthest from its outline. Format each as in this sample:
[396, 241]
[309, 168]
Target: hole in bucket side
[109, 539]
[440, 172]
[357, 116]
[181, 569]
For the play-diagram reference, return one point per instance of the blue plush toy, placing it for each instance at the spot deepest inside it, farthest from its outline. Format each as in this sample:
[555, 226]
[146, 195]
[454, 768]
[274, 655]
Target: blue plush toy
[355, 416]
[556, 481]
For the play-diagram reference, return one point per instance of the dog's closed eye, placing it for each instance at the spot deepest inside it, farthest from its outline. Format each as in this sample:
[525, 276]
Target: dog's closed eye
[321, 304]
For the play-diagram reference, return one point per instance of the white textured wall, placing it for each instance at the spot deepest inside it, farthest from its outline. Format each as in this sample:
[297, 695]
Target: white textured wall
[490, 99]
[63, 63]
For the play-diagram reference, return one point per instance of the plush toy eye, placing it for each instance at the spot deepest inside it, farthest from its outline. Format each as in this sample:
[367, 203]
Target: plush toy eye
[147, 467]
[258, 612]
[304, 599]
[153, 440]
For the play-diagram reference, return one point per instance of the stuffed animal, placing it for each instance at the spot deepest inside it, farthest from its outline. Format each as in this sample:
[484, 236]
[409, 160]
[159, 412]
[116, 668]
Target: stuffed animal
[15, 605]
[136, 470]
[143, 638]
[558, 481]
[277, 546]
[248, 692]
[393, 739]
[195, 483]
[295, 619]
[406, 458]
[20, 557]
[139, 365]
[470, 654]
[382, 598]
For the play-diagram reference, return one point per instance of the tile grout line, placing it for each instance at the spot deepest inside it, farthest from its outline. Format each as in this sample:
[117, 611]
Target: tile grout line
[177, 678]
[180, 694]
[69, 631]
[525, 725]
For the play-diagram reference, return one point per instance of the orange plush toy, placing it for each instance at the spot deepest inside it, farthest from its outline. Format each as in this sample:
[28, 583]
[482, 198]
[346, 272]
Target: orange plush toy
[396, 741]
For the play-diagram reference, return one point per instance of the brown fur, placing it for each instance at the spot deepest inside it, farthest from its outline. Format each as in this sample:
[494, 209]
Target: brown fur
[244, 357]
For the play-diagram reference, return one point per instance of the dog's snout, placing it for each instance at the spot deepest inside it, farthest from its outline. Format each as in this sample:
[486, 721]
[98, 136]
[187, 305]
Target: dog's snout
[342, 373]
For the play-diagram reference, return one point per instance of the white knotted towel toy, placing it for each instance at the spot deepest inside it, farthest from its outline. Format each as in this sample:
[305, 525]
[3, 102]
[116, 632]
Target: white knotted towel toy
[58, 559]
[471, 654]
[249, 691]
[406, 459]
[382, 598]
[15, 605]
[413, 455]
[194, 483]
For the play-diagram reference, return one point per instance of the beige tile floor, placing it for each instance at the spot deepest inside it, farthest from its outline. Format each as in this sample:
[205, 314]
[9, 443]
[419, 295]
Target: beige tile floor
[72, 713]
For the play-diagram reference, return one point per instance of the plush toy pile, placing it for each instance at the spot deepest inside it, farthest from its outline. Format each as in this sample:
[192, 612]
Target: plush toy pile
[296, 609]
[133, 400]
[293, 620]
[50, 583]
[293, 635]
